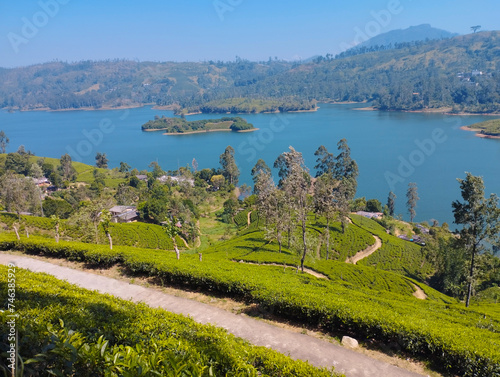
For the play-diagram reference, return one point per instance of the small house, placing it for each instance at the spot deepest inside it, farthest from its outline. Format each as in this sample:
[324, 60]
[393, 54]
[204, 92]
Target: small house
[124, 214]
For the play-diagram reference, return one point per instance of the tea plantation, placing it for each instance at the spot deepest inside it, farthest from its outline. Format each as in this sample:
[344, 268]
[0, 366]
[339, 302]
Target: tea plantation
[362, 301]
[67, 331]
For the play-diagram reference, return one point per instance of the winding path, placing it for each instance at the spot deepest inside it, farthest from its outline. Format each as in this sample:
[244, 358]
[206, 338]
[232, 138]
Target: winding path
[299, 346]
[366, 252]
[306, 270]
[248, 218]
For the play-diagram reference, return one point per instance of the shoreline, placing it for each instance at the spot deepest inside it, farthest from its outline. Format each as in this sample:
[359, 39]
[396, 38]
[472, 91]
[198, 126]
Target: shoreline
[478, 133]
[205, 131]
[104, 108]
[303, 111]
[442, 110]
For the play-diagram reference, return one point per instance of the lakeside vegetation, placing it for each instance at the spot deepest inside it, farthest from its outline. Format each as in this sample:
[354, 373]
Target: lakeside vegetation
[181, 125]
[488, 128]
[458, 74]
[250, 106]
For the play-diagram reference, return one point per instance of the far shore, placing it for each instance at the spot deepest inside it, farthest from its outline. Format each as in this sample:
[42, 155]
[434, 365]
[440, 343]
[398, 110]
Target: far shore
[104, 108]
[440, 110]
[204, 131]
[304, 111]
[478, 133]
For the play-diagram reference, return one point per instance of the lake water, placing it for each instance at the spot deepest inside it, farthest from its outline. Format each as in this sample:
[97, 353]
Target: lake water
[391, 149]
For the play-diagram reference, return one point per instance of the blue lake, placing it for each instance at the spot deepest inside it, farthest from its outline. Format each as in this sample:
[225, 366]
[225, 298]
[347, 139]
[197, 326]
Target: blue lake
[391, 149]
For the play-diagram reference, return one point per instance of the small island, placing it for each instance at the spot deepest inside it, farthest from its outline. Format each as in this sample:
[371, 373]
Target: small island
[488, 129]
[180, 126]
[249, 106]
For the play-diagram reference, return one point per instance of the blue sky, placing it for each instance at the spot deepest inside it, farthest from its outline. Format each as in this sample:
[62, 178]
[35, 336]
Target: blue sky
[196, 30]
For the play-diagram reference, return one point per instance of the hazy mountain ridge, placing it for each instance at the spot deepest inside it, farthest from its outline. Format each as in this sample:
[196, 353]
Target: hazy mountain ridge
[413, 33]
[412, 76]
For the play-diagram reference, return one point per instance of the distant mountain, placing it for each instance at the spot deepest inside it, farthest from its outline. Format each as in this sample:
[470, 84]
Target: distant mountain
[459, 74]
[413, 33]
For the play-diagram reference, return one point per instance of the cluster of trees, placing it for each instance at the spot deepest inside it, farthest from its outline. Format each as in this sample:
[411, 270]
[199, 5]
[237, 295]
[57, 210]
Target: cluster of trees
[466, 262]
[287, 205]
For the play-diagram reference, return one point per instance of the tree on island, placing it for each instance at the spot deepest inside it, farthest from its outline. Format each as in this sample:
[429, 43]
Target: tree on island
[101, 160]
[4, 141]
[412, 196]
[480, 218]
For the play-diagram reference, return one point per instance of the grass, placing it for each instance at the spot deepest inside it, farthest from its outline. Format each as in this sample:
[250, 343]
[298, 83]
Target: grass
[489, 127]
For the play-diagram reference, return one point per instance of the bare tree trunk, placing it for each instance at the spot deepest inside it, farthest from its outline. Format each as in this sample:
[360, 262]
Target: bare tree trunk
[327, 236]
[110, 241]
[279, 240]
[16, 230]
[27, 232]
[200, 256]
[471, 273]
[57, 233]
[41, 201]
[177, 253]
[96, 233]
[304, 244]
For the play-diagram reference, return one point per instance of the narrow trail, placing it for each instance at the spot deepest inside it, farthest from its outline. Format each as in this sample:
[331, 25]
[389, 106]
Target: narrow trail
[318, 352]
[248, 218]
[197, 241]
[419, 293]
[306, 270]
[366, 252]
[185, 242]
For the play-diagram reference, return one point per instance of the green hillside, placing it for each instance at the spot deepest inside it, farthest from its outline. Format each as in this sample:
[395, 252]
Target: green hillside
[456, 74]
[464, 341]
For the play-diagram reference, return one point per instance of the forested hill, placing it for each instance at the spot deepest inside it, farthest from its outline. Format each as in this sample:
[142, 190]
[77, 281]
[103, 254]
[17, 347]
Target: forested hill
[460, 73]
[413, 33]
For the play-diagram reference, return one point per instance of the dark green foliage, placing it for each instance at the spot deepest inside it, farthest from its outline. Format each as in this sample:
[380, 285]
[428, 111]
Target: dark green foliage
[17, 163]
[374, 205]
[101, 161]
[57, 207]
